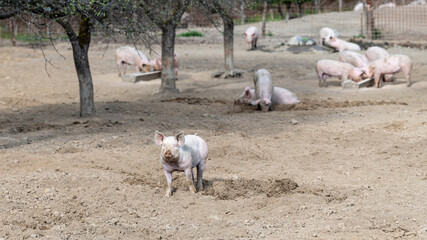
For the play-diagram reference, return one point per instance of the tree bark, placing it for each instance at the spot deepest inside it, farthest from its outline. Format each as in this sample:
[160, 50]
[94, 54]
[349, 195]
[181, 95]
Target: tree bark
[168, 84]
[280, 9]
[80, 46]
[264, 13]
[12, 30]
[288, 11]
[228, 45]
[242, 12]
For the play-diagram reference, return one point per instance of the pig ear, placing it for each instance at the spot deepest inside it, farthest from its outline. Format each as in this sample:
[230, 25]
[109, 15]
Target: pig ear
[180, 138]
[158, 138]
[257, 101]
[247, 91]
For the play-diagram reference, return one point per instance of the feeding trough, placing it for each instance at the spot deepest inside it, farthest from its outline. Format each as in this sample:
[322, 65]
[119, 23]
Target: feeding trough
[136, 77]
[352, 84]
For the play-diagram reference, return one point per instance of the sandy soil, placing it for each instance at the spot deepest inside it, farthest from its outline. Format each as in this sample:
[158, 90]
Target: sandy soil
[352, 167]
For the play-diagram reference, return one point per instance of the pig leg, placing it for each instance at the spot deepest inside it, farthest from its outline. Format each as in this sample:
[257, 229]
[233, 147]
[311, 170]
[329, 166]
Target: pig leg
[407, 76]
[168, 176]
[255, 43]
[124, 68]
[118, 68]
[377, 80]
[187, 178]
[199, 177]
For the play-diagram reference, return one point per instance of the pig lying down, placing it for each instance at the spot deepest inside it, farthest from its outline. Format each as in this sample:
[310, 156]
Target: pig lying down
[182, 153]
[251, 37]
[263, 90]
[390, 65]
[341, 45]
[130, 56]
[325, 34]
[280, 96]
[341, 70]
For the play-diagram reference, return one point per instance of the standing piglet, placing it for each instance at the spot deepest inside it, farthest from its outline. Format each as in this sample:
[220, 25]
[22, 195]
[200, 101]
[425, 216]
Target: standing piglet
[251, 37]
[157, 64]
[391, 65]
[130, 56]
[341, 45]
[182, 153]
[375, 53]
[325, 34]
[263, 89]
[280, 96]
[334, 68]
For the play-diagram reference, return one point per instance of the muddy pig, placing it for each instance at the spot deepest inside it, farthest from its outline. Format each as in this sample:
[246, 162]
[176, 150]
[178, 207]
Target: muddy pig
[334, 68]
[182, 153]
[390, 65]
[130, 56]
[157, 64]
[341, 45]
[251, 37]
[280, 96]
[263, 89]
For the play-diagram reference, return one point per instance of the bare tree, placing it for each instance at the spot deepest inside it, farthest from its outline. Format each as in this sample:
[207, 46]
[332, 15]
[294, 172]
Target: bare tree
[78, 19]
[166, 15]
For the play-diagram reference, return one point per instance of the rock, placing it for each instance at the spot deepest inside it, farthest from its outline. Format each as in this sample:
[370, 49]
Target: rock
[294, 122]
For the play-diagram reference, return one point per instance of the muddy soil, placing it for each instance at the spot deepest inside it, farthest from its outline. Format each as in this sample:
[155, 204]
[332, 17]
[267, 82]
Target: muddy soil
[342, 164]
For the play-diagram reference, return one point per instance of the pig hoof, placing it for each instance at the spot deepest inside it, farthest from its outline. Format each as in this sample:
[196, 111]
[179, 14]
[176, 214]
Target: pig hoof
[168, 193]
[192, 189]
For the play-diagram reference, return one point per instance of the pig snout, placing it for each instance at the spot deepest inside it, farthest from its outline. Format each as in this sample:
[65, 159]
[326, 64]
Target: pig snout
[168, 154]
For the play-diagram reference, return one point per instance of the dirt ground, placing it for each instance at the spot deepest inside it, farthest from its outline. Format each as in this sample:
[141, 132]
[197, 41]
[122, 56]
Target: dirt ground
[351, 164]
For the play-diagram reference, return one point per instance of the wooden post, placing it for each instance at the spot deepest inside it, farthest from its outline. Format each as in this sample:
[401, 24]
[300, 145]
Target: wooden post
[264, 13]
[340, 5]
[12, 30]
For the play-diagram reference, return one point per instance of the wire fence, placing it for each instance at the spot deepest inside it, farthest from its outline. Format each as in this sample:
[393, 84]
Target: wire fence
[394, 20]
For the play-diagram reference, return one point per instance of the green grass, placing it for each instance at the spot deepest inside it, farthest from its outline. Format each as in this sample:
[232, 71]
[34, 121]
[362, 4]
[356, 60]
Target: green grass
[191, 34]
[29, 38]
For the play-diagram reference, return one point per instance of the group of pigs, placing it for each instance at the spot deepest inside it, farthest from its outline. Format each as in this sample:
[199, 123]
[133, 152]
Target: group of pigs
[131, 56]
[265, 95]
[376, 62]
[183, 153]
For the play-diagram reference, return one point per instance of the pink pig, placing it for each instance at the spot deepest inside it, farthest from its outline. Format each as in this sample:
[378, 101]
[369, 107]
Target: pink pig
[342, 45]
[157, 64]
[263, 89]
[251, 36]
[390, 65]
[280, 96]
[334, 68]
[375, 53]
[130, 56]
[182, 153]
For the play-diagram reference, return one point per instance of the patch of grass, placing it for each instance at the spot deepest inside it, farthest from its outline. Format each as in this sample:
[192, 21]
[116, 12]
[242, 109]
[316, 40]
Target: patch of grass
[29, 38]
[359, 36]
[191, 34]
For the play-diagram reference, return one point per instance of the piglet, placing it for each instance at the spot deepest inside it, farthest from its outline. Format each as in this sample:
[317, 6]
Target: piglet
[391, 65]
[251, 37]
[280, 96]
[375, 53]
[334, 68]
[157, 64]
[130, 56]
[342, 45]
[325, 34]
[182, 153]
[263, 89]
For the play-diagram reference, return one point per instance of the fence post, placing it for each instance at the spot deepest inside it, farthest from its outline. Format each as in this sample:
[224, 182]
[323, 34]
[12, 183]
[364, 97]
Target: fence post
[264, 13]
[369, 16]
[340, 5]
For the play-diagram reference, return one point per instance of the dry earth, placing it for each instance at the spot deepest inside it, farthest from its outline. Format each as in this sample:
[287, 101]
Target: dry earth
[352, 167]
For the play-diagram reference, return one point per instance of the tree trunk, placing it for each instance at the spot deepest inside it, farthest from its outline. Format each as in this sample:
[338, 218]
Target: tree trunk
[80, 46]
[168, 54]
[288, 11]
[12, 30]
[242, 12]
[264, 13]
[280, 9]
[228, 46]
